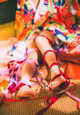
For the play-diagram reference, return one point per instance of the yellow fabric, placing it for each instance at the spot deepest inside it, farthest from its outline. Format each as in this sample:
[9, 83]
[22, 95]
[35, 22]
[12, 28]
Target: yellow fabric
[7, 30]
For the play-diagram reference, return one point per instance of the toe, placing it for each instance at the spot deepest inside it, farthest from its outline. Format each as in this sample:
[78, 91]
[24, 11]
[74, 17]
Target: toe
[47, 89]
[25, 91]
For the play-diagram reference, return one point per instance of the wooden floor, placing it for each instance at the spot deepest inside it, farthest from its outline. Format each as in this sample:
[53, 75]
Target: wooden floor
[7, 30]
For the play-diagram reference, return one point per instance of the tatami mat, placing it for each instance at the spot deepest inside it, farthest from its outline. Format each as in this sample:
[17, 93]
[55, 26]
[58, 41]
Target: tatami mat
[63, 106]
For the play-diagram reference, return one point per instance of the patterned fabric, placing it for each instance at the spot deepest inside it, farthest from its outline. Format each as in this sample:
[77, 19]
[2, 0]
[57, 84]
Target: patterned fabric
[50, 16]
[28, 17]
[65, 33]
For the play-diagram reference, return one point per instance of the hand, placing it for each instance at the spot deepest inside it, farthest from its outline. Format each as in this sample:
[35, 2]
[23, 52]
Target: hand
[75, 50]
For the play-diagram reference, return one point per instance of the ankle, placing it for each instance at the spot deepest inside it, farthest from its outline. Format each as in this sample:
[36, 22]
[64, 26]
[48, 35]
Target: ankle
[26, 78]
[55, 70]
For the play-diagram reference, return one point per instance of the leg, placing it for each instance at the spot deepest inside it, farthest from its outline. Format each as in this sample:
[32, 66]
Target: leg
[25, 91]
[41, 76]
[28, 71]
[50, 57]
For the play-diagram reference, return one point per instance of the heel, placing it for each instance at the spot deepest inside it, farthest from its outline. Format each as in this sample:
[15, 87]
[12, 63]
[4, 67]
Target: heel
[63, 86]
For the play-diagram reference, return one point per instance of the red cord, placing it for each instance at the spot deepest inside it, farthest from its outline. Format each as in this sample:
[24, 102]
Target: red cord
[45, 54]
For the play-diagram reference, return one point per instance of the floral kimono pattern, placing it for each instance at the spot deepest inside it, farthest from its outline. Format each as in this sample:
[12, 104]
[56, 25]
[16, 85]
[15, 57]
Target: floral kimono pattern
[64, 24]
[50, 16]
[26, 17]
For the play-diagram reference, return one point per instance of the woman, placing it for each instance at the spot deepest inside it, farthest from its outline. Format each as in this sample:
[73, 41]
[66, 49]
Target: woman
[44, 15]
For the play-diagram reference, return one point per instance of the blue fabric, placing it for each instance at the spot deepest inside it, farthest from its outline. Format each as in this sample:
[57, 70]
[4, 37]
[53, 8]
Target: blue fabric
[58, 32]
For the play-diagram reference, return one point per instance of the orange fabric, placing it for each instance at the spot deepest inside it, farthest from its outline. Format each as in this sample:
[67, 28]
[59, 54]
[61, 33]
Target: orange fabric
[73, 71]
[4, 84]
[72, 64]
[76, 6]
[3, 0]
[66, 14]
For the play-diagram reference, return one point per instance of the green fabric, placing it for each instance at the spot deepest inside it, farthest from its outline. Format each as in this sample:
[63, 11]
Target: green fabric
[71, 36]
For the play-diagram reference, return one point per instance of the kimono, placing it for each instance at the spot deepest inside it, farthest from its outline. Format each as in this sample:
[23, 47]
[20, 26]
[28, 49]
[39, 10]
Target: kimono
[57, 16]
[27, 15]
[49, 15]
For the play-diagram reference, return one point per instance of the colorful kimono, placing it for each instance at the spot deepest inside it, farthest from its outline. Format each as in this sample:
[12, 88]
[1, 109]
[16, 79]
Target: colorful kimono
[54, 16]
[49, 15]
[27, 15]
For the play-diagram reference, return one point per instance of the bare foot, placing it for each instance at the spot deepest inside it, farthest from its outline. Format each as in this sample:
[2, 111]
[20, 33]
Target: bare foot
[41, 76]
[57, 81]
[26, 91]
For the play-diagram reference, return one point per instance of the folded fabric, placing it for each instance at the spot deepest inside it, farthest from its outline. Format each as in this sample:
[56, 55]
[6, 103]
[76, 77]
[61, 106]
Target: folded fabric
[73, 70]
[72, 64]
[67, 14]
